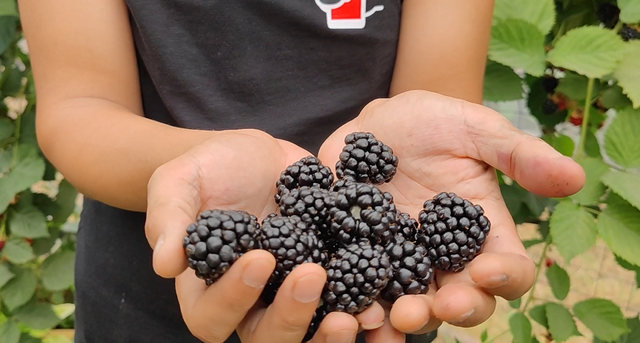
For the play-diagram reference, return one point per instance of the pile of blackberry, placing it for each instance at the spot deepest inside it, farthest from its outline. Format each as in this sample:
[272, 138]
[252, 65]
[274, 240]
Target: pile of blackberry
[370, 249]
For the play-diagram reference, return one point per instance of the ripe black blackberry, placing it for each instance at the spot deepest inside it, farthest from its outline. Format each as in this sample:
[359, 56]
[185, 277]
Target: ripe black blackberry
[356, 275]
[629, 33]
[311, 204]
[412, 272]
[217, 239]
[366, 159]
[361, 210]
[454, 231]
[308, 171]
[549, 106]
[549, 84]
[404, 225]
[318, 316]
[289, 241]
[608, 14]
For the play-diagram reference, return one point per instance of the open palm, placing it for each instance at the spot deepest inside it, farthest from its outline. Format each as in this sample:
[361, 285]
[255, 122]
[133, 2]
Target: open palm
[447, 145]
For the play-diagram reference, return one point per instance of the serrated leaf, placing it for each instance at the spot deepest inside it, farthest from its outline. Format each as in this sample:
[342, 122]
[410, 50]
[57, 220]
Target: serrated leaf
[6, 128]
[561, 324]
[518, 44]
[17, 251]
[618, 228]
[593, 188]
[37, 316]
[626, 185]
[592, 145]
[574, 86]
[602, 317]
[559, 281]
[573, 229]
[7, 31]
[27, 222]
[20, 289]
[629, 11]
[589, 50]
[5, 275]
[621, 139]
[520, 328]
[614, 97]
[541, 13]
[9, 332]
[501, 83]
[57, 270]
[539, 314]
[562, 143]
[515, 304]
[28, 170]
[633, 336]
[628, 72]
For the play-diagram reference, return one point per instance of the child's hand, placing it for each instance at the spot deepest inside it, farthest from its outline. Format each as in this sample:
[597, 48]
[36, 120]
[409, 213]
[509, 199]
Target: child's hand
[447, 145]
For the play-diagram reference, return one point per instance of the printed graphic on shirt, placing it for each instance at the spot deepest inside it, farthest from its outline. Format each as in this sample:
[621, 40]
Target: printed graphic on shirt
[347, 14]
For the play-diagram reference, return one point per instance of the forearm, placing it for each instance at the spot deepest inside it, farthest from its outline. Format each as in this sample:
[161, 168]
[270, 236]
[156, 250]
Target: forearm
[107, 152]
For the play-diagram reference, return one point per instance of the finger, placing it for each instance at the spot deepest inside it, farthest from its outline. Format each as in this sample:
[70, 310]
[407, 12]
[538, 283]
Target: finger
[173, 202]
[463, 304]
[336, 327]
[287, 318]
[213, 313]
[414, 314]
[385, 334]
[371, 318]
[507, 275]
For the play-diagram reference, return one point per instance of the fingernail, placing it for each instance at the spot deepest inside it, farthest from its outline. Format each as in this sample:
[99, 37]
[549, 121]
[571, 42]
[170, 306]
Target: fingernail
[341, 337]
[256, 273]
[159, 243]
[308, 288]
[498, 280]
[371, 326]
[465, 316]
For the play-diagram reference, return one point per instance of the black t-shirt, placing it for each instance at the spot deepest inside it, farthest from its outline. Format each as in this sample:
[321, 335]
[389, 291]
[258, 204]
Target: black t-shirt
[297, 69]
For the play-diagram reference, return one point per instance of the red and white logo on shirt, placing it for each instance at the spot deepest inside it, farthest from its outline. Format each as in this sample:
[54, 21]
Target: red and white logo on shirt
[348, 14]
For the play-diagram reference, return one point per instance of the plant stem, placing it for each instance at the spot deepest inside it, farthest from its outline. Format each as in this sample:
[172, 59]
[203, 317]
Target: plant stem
[496, 336]
[585, 118]
[539, 265]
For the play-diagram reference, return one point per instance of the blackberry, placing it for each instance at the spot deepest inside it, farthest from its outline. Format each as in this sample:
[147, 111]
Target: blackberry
[411, 269]
[355, 276]
[629, 33]
[361, 210]
[318, 316]
[404, 226]
[308, 171]
[549, 84]
[453, 230]
[311, 204]
[289, 241]
[217, 239]
[549, 107]
[608, 14]
[366, 159]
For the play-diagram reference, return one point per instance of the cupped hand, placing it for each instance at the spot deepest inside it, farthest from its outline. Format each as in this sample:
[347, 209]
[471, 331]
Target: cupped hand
[235, 170]
[449, 145]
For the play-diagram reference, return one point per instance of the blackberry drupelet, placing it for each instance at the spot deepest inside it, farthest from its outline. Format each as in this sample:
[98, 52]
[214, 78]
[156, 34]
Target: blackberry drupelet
[608, 14]
[366, 159]
[308, 171]
[412, 272]
[289, 241]
[629, 33]
[549, 106]
[404, 225]
[311, 204]
[361, 210]
[453, 229]
[217, 239]
[355, 276]
[549, 84]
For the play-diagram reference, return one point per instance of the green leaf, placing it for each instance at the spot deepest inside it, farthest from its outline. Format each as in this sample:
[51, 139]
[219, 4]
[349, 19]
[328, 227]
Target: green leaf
[520, 328]
[628, 266]
[37, 316]
[501, 83]
[7, 31]
[57, 270]
[573, 229]
[20, 289]
[8, 8]
[535, 99]
[539, 314]
[633, 336]
[626, 185]
[591, 145]
[27, 338]
[574, 86]
[13, 82]
[541, 13]
[9, 332]
[518, 44]
[28, 170]
[628, 72]
[515, 304]
[484, 335]
[621, 139]
[618, 228]
[5, 275]
[62, 206]
[27, 222]
[64, 310]
[602, 317]
[629, 11]
[563, 144]
[589, 50]
[531, 242]
[593, 188]
[17, 251]
[561, 324]
[614, 97]
[6, 128]
[559, 281]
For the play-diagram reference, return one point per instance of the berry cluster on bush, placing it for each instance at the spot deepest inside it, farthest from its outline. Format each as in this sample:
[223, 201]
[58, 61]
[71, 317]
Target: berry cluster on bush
[370, 249]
